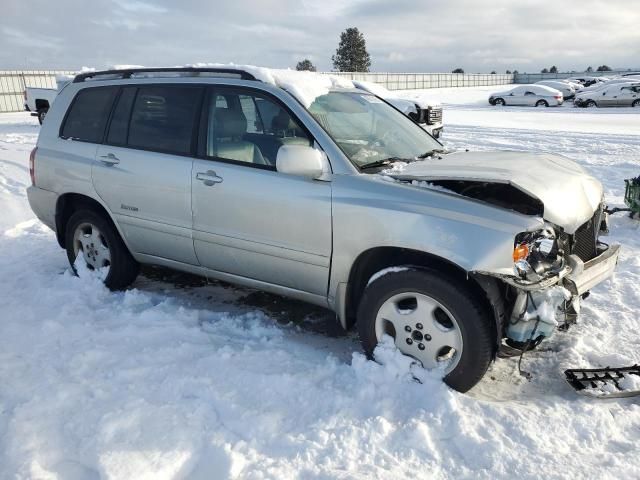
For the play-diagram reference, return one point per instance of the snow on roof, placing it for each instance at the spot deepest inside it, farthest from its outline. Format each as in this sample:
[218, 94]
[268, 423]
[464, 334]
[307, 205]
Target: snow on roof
[305, 86]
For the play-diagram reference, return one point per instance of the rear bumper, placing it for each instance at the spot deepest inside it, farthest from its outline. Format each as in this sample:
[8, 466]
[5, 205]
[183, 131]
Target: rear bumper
[586, 275]
[43, 203]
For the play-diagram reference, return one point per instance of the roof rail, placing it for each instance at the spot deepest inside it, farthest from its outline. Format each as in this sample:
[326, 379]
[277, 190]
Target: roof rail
[127, 73]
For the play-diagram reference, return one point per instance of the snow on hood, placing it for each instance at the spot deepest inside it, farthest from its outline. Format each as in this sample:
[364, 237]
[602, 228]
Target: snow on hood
[305, 86]
[569, 194]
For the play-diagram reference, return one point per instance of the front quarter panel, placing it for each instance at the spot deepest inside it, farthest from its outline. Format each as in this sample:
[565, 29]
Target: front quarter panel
[369, 212]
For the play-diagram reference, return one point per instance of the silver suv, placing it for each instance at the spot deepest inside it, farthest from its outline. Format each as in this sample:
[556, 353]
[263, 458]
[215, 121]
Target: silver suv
[300, 185]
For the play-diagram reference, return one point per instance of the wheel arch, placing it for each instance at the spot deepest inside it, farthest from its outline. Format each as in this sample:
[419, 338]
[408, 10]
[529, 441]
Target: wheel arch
[70, 202]
[486, 289]
[41, 104]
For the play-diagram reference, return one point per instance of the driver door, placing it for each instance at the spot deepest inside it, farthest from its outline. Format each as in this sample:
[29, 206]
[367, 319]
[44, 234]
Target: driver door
[249, 220]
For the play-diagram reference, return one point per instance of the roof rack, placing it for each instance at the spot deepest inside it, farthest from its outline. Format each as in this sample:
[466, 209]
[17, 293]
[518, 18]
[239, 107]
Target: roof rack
[127, 73]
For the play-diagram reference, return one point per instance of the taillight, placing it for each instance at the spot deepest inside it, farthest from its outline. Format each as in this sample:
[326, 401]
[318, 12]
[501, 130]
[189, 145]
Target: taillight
[558, 97]
[32, 165]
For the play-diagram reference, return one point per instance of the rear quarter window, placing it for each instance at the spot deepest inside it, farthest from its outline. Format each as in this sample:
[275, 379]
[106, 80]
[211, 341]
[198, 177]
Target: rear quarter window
[88, 114]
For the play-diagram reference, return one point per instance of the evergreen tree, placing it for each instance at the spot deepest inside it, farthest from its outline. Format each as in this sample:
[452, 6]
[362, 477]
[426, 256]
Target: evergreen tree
[604, 68]
[508, 72]
[544, 70]
[351, 54]
[306, 65]
[589, 69]
[458, 70]
[553, 69]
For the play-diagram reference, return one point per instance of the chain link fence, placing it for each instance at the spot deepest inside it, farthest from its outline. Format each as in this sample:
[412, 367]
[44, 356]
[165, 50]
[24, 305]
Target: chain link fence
[411, 81]
[13, 84]
[536, 77]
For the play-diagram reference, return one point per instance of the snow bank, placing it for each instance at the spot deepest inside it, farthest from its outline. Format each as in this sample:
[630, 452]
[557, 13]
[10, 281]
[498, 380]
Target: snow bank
[171, 382]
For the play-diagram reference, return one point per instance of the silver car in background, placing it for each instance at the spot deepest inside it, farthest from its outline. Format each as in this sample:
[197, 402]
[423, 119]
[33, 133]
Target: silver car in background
[528, 96]
[567, 90]
[625, 94]
[307, 187]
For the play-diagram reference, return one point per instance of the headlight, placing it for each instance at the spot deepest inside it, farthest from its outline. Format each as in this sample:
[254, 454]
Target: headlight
[537, 254]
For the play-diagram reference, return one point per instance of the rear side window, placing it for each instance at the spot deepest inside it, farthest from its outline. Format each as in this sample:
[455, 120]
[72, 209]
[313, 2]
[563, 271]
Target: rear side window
[163, 118]
[88, 114]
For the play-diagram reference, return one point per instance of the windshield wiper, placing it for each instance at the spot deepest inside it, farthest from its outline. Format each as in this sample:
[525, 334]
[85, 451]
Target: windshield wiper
[383, 162]
[430, 153]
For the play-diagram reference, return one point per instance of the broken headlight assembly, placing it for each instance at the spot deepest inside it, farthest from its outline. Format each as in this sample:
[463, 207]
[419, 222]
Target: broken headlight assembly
[538, 255]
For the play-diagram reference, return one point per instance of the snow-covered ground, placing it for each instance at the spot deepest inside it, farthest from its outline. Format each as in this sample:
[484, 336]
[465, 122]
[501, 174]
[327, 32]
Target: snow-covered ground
[179, 379]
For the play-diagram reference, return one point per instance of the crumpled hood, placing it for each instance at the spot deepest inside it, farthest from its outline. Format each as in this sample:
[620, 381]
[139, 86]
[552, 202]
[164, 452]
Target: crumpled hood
[569, 194]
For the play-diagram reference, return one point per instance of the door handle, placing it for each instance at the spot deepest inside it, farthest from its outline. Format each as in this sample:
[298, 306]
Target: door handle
[209, 178]
[109, 159]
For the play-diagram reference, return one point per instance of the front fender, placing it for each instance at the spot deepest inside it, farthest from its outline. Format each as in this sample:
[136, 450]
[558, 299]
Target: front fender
[370, 213]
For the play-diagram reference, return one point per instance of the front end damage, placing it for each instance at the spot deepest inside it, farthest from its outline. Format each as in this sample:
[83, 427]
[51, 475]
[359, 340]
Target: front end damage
[553, 266]
[553, 271]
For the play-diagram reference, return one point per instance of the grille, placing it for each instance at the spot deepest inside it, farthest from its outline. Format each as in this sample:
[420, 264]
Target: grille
[586, 237]
[434, 115]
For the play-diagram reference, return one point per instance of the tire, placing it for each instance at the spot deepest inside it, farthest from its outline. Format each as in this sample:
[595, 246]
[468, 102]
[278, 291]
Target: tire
[104, 248]
[636, 103]
[390, 305]
[591, 104]
[41, 114]
[542, 103]
[499, 102]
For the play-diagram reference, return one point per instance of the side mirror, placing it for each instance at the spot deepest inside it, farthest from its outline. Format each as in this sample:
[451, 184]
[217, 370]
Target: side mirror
[301, 160]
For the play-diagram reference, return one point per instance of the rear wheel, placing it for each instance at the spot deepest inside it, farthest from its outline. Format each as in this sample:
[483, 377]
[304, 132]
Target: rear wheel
[591, 104]
[636, 103]
[92, 239]
[542, 103]
[431, 318]
[499, 102]
[41, 114]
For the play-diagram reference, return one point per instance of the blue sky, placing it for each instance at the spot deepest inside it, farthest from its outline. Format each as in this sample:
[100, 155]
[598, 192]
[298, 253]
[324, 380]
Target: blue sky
[402, 35]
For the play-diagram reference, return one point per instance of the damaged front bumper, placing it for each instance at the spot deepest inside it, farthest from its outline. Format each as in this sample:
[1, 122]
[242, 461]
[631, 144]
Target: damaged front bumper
[576, 276]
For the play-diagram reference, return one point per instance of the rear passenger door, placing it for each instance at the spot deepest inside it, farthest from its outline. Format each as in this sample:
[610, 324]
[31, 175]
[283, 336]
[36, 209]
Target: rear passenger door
[143, 169]
[249, 220]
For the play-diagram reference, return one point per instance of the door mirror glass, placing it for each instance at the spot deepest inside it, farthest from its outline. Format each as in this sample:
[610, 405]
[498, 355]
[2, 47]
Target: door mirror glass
[300, 160]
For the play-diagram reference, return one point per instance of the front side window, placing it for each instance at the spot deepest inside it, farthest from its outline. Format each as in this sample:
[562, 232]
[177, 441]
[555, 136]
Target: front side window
[369, 130]
[89, 113]
[163, 118]
[245, 126]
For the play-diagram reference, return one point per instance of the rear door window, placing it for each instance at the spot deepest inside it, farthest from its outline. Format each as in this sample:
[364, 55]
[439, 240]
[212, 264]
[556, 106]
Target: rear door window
[88, 114]
[163, 118]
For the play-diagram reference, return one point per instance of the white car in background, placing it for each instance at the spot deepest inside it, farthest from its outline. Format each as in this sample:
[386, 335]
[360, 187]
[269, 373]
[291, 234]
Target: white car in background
[427, 114]
[588, 80]
[528, 95]
[567, 90]
[616, 95]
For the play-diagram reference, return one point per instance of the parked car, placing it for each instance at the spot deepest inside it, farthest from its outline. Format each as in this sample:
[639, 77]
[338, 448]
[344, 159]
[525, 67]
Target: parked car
[39, 100]
[616, 95]
[427, 114]
[587, 80]
[528, 95]
[567, 90]
[302, 185]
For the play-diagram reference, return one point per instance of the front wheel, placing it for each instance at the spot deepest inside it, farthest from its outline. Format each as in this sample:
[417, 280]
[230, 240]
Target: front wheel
[636, 103]
[92, 239]
[591, 104]
[542, 103]
[499, 102]
[431, 318]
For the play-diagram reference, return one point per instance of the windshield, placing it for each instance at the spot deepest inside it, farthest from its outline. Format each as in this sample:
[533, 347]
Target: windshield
[369, 130]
